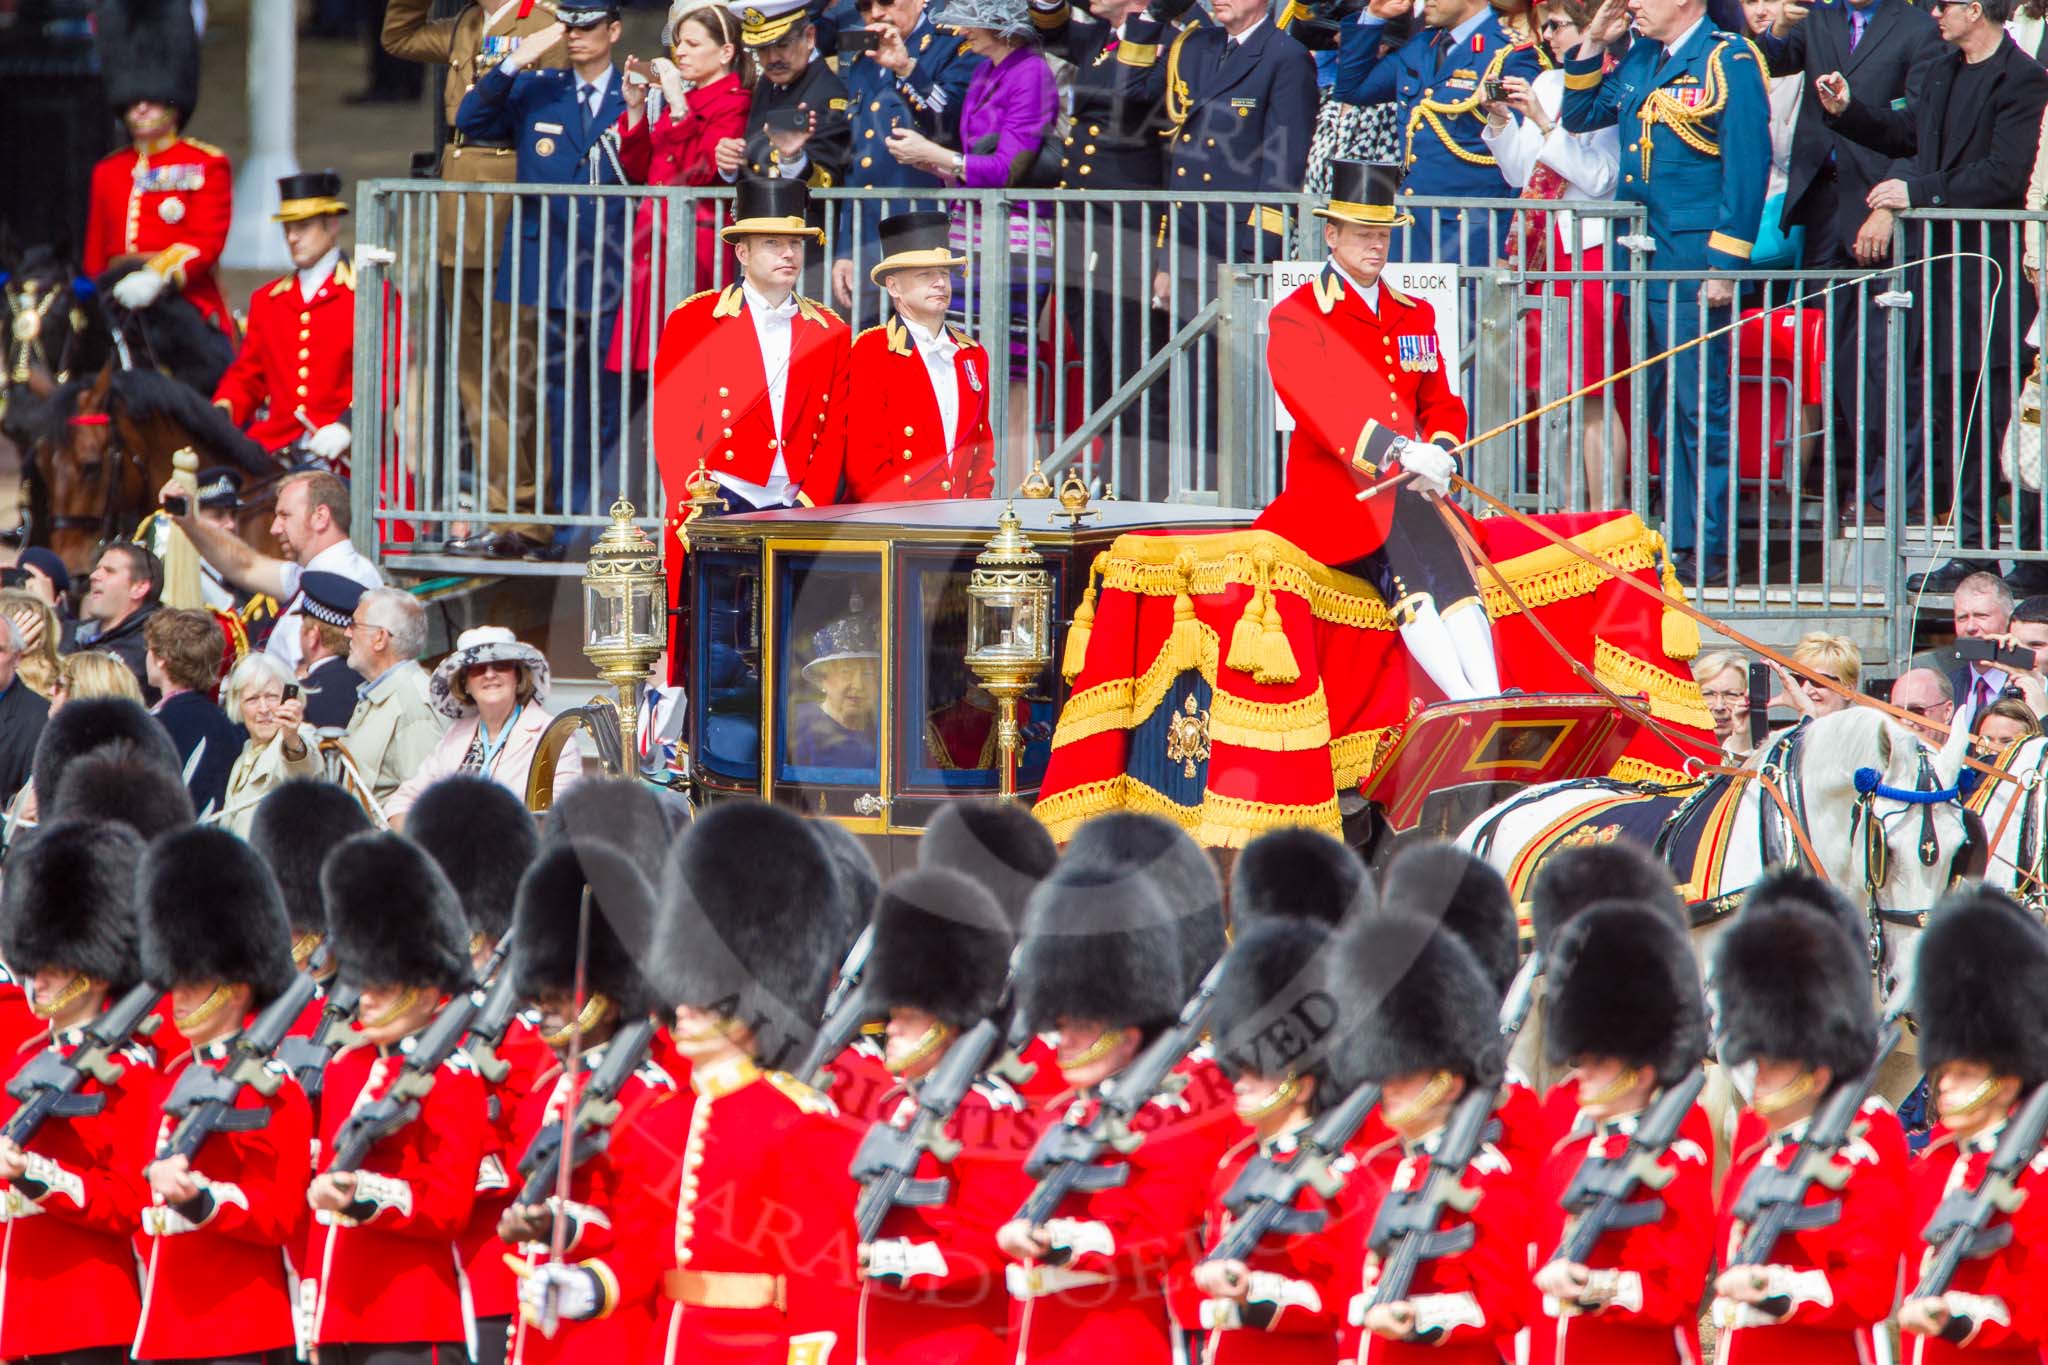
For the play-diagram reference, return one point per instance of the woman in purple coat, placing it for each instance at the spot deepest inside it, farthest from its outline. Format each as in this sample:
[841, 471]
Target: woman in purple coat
[1006, 138]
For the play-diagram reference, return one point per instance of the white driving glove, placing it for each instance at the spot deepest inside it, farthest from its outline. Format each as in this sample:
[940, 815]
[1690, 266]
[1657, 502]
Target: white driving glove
[575, 1289]
[330, 442]
[138, 289]
[1431, 465]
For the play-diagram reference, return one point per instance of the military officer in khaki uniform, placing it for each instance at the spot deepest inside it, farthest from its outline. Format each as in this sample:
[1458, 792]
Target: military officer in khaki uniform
[470, 44]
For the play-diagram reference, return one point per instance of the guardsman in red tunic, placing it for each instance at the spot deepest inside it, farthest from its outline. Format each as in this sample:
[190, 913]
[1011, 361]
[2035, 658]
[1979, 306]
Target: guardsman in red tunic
[1100, 965]
[294, 828]
[295, 374]
[220, 1225]
[1428, 1036]
[1791, 981]
[164, 202]
[1627, 1016]
[750, 381]
[72, 1196]
[1285, 1300]
[618, 1218]
[1979, 976]
[389, 1281]
[920, 429]
[1356, 363]
[934, 1276]
[754, 922]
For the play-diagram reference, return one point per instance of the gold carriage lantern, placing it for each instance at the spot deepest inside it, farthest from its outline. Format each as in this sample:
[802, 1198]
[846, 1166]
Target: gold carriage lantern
[625, 616]
[1009, 629]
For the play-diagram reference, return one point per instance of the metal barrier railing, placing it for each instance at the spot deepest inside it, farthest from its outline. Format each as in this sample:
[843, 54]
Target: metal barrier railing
[1126, 336]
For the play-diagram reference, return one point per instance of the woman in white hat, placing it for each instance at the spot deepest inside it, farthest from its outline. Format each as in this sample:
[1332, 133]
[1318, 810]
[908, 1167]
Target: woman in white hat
[493, 685]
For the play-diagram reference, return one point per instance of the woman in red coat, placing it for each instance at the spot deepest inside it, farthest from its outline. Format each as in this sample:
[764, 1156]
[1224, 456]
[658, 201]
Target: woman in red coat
[704, 94]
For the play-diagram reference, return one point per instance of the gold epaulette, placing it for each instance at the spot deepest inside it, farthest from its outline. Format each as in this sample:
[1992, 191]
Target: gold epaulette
[960, 335]
[279, 287]
[865, 332]
[899, 335]
[1396, 295]
[206, 147]
[817, 312]
[799, 1094]
[345, 274]
[730, 301]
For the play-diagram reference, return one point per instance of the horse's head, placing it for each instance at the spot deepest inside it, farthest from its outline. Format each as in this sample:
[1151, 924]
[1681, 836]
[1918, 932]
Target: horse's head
[80, 471]
[48, 322]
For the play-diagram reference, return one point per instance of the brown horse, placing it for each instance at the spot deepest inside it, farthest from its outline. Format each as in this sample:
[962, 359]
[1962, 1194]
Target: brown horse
[102, 448]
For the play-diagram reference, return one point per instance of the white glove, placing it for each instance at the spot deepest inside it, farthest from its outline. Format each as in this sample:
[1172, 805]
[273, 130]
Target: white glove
[1431, 465]
[575, 1289]
[331, 442]
[138, 289]
[673, 90]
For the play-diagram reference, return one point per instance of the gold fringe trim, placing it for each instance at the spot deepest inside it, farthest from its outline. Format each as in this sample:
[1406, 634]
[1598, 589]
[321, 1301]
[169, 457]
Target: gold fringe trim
[1082, 629]
[1672, 697]
[1258, 645]
[1681, 632]
[1628, 769]
[1285, 726]
[1354, 756]
[1218, 822]
[1126, 703]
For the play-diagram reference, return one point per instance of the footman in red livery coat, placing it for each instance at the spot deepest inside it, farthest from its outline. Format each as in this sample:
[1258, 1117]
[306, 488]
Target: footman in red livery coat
[72, 1197]
[1627, 1016]
[753, 924]
[221, 1225]
[1356, 363]
[1791, 979]
[618, 1218]
[389, 1271]
[1979, 976]
[920, 429]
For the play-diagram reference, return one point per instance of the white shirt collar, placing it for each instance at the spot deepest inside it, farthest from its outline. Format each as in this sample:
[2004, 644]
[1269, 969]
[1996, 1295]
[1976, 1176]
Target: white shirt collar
[1368, 292]
[599, 84]
[758, 301]
[941, 339]
[318, 273]
[1684, 37]
[1241, 39]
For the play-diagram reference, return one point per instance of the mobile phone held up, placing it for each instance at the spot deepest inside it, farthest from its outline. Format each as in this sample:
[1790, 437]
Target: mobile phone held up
[1991, 652]
[860, 40]
[291, 691]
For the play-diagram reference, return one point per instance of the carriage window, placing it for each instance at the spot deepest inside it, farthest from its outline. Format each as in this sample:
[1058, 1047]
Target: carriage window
[829, 670]
[948, 722]
[725, 681]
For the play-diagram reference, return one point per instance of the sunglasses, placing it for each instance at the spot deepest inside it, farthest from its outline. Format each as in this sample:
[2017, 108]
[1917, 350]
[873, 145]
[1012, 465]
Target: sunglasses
[495, 666]
[1556, 25]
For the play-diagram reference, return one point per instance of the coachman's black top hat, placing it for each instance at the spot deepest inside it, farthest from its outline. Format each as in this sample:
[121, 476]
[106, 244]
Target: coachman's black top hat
[309, 194]
[771, 208]
[1362, 192]
[915, 239]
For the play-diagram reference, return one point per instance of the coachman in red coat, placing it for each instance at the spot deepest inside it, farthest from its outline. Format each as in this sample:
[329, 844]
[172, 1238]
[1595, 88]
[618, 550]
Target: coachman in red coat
[921, 428]
[295, 374]
[222, 1223]
[1792, 981]
[750, 381]
[1978, 979]
[72, 1195]
[1357, 365]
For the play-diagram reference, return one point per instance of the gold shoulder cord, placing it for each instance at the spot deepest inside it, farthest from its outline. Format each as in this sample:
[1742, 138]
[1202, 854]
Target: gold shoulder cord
[1685, 120]
[1433, 112]
[1179, 102]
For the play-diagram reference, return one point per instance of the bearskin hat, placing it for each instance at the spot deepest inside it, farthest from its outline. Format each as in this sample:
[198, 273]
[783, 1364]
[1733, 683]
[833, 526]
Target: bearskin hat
[1788, 983]
[622, 811]
[1410, 996]
[942, 945]
[1623, 983]
[294, 829]
[1793, 884]
[148, 50]
[753, 924]
[68, 901]
[1271, 1013]
[546, 917]
[211, 911]
[392, 917]
[1979, 977]
[854, 869]
[999, 844]
[484, 838]
[1124, 843]
[84, 725]
[122, 783]
[1439, 880]
[1099, 943]
[1301, 873]
[1573, 878]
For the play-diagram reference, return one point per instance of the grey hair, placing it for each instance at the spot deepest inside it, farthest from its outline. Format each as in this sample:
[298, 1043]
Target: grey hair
[11, 643]
[397, 611]
[1716, 662]
[254, 669]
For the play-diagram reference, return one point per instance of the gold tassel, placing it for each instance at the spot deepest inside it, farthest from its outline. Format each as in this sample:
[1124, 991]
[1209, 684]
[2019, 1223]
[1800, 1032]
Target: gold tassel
[1079, 632]
[1184, 646]
[1247, 637]
[1681, 632]
[1276, 657]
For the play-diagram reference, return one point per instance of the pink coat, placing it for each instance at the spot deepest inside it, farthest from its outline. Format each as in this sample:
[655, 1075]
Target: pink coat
[508, 770]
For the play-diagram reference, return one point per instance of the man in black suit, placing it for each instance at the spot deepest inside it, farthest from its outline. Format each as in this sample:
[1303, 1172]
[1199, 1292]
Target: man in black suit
[1887, 48]
[22, 713]
[330, 685]
[1968, 145]
[183, 653]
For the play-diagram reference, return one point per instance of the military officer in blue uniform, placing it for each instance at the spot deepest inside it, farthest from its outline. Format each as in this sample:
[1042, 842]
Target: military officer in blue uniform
[1437, 82]
[913, 78]
[1693, 112]
[560, 122]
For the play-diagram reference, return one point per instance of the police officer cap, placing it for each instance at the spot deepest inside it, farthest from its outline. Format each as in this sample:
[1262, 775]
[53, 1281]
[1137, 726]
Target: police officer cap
[220, 488]
[330, 598]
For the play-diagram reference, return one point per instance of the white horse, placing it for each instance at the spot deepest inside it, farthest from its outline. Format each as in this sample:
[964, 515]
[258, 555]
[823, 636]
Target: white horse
[1891, 854]
[2015, 818]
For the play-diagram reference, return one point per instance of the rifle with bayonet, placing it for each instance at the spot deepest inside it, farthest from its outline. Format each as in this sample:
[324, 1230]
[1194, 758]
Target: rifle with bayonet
[204, 1099]
[1599, 1199]
[47, 1088]
[487, 1030]
[307, 1057]
[1064, 1161]
[590, 1126]
[1405, 1234]
[1961, 1229]
[400, 1104]
[846, 1010]
[886, 1163]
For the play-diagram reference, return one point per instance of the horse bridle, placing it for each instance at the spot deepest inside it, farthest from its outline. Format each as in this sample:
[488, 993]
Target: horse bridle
[117, 460]
[28, 312]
